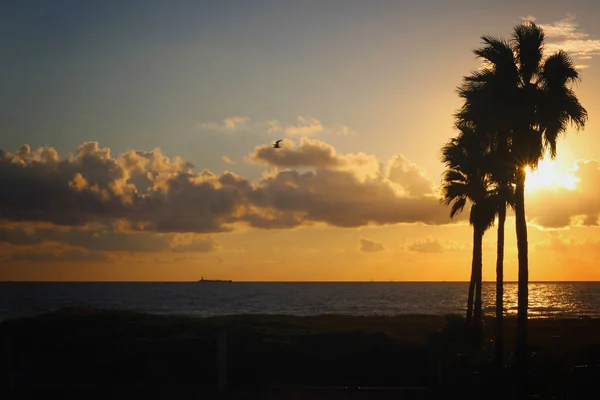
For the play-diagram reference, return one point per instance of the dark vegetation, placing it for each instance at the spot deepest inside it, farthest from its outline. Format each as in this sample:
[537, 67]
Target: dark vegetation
[95, 351]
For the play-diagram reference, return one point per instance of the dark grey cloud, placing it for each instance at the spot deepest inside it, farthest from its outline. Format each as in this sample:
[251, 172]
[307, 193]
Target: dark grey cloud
[19, 236]
[195, 244]
[166, 195]
[62, 256]
[370, 246]
[156, 194]
[106, 240]
[339, 198]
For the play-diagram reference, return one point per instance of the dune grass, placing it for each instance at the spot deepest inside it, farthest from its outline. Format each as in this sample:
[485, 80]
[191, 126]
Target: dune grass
[91, 347]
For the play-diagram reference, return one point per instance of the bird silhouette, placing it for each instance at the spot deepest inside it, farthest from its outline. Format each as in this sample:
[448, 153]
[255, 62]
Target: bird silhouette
[276, 144]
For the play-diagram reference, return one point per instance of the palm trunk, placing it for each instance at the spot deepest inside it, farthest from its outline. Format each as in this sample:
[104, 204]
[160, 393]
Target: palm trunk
[477, 266]
[470, 301]
[472, 285]
[521, 228]
[499, 343]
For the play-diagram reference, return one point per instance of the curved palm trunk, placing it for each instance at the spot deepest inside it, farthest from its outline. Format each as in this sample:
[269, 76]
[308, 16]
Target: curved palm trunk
[477, 267]
[499, 342]
[521, 228]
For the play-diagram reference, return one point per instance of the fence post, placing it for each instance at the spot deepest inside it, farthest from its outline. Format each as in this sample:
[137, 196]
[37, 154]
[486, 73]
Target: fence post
[7, 368]
[222, 359]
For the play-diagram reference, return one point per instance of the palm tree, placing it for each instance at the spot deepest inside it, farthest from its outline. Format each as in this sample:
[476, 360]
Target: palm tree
[464, 180]
[502, 174]
[526, 100]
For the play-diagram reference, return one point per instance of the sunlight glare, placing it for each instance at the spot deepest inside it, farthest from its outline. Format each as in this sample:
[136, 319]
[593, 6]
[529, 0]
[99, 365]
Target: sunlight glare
[548, 174]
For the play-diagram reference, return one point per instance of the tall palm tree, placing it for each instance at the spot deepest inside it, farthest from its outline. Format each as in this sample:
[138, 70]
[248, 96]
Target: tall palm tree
[464, 180]
[527, 100]
[502, 173]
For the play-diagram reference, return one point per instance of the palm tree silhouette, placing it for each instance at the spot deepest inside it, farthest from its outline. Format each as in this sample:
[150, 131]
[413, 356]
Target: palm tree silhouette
[525, 100]
[465, 180]
[502, 174]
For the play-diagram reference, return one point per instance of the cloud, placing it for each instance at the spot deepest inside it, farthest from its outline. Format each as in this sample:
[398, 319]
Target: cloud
[228, 124]
[558, 206]
[226, 160]
[303, 125]
[306, 126]
[339, 198]
[565, 28]
[565, 35]
[429, 245]
[187, 243]
[370, 246]
[342, 130]
[558, 243]
[404, 176]
[19, 236]
[408, 176]
[106, 240]
[146, 188]
[62, 256]
[313, 153]
[141, 192]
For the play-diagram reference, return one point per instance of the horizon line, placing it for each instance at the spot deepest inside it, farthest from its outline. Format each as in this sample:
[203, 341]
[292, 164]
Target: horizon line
[250, 281]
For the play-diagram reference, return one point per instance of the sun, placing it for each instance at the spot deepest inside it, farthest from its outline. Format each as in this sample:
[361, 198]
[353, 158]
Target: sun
[549, 175]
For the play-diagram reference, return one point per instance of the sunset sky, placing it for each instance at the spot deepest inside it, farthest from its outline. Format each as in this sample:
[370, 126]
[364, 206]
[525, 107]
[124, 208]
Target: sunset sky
[135, 141]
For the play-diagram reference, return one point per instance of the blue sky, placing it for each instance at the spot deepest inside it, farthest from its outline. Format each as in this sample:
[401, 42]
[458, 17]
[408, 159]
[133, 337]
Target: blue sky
[351, 84]
[142, 74]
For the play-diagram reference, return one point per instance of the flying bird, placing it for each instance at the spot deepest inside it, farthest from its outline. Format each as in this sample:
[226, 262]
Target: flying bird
[276, 144]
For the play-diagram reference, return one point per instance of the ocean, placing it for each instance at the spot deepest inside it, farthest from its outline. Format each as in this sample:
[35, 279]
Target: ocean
[550, 299]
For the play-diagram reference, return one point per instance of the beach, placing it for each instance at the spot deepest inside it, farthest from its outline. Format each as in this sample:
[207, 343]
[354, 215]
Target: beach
[84, 349]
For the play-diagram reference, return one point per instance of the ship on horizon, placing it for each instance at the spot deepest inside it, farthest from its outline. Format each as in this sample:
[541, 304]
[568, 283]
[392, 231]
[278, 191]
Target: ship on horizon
[214, 280]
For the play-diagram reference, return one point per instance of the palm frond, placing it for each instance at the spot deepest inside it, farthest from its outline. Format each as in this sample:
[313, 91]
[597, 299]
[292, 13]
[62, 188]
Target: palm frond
[458, 206]
[558, 107]
[453, 175]
[528, 43]
[496, 52]
[558, 70]
[483, 214]
[454, 190]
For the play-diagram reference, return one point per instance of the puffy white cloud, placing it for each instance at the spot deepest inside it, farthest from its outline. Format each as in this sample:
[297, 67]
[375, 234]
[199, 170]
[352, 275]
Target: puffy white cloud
[565, 35]
[312, 153]
[408, 177]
